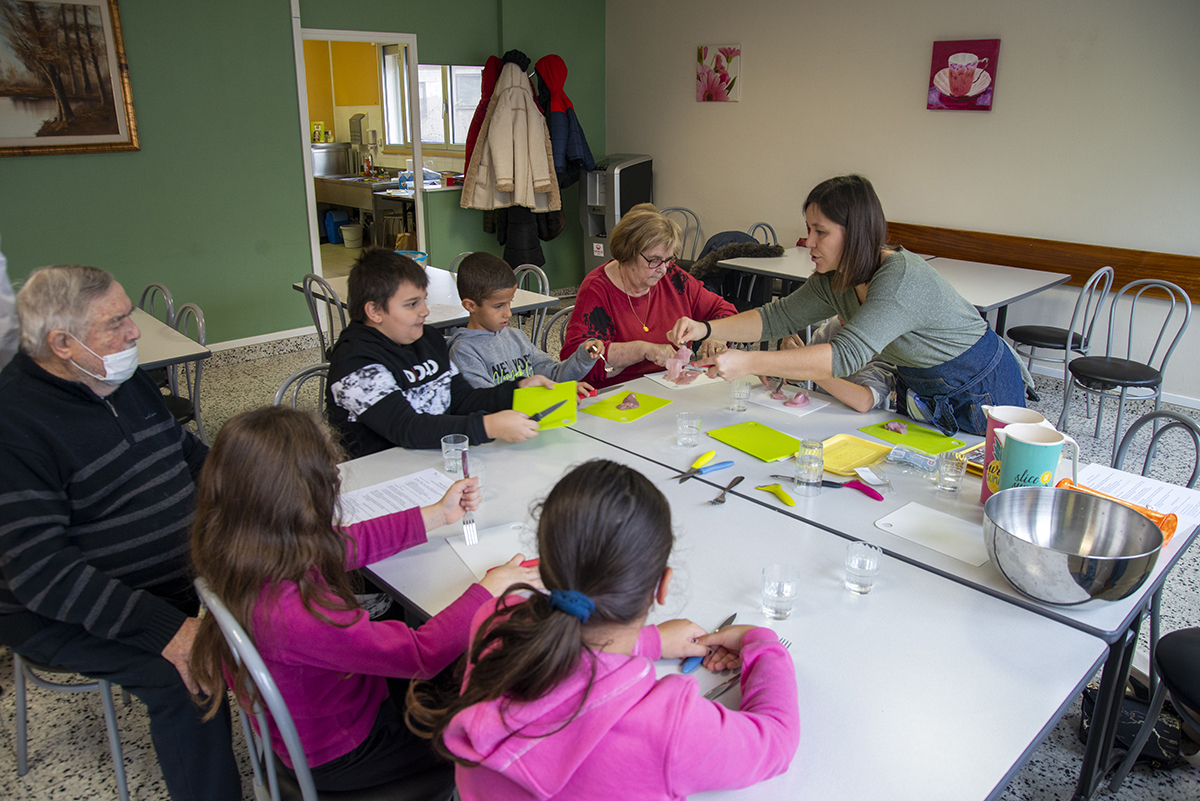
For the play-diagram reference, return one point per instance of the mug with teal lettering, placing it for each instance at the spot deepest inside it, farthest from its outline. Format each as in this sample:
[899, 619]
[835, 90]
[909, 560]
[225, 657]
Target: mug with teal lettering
[1029, 453]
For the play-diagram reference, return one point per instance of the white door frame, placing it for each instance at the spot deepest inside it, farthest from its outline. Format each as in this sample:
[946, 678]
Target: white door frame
[409, 41]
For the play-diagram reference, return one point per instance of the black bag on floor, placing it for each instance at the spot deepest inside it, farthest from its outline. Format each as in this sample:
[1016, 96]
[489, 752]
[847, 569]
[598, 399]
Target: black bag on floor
[1162, 747]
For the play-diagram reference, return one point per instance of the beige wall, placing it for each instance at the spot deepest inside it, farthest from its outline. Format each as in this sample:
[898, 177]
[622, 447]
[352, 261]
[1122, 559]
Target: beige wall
[1094, 135]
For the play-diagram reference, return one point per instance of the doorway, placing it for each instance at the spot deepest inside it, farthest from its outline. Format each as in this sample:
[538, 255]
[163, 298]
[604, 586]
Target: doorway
[327, 255]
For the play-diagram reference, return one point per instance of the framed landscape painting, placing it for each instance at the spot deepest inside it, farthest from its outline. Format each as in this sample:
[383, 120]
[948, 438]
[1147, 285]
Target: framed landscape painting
[64, 79]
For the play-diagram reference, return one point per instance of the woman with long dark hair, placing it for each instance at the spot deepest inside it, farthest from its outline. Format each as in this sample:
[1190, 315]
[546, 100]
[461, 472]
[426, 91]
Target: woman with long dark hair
[893, 303]
[560, 697]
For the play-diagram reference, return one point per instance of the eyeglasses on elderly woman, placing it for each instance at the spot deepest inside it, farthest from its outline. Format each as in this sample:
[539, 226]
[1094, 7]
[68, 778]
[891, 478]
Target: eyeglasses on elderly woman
[656, 262]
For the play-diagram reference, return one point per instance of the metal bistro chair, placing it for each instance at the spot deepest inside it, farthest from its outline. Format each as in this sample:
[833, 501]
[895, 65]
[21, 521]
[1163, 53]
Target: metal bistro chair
[293, 385]
[324, 303]
[458, 260]
[1174, 659]
[1118, 367]
[152, 296]
[692, 233]
[185, 406]
[23, 670]
[768, 233]
[1028, 338]
[535, 278]
[557, 322]
[435, 784]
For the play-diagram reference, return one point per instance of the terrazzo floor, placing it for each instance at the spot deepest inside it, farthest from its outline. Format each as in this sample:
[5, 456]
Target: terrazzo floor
[69, 756]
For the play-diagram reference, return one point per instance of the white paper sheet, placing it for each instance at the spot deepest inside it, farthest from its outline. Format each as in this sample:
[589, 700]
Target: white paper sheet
[496, 546]
[761, 396]
[1148, 492]
[405, 492]
[944, 533]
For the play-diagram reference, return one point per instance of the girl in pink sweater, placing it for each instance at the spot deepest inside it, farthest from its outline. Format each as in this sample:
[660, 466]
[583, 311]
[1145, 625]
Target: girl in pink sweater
[560, 698]
[264, 541]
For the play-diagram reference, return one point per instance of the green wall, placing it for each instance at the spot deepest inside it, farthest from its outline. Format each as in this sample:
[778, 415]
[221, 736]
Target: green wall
[213, 205]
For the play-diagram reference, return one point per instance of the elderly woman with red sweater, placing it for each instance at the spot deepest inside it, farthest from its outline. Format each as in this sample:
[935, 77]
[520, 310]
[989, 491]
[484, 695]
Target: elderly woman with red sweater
[628, 306]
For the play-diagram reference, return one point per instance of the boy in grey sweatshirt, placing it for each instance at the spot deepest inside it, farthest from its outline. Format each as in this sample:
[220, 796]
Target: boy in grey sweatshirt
[489, 352]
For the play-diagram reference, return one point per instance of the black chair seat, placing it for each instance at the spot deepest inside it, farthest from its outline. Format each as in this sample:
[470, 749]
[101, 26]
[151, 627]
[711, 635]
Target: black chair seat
[1178, 657]
[1103, 372]
[1044, 336]
[435, 784]
[180, 408]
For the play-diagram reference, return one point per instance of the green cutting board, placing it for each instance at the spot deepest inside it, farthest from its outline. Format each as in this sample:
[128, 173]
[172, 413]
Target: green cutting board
[918, 437]
[532, 400]
[607, 408]
[757, 440]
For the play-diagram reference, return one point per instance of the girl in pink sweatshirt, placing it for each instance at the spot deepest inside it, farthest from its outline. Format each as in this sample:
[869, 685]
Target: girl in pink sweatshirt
[264, 540]
[560, 698]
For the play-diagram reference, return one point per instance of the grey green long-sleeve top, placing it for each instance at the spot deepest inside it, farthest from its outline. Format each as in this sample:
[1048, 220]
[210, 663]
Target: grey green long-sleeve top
[912, 317]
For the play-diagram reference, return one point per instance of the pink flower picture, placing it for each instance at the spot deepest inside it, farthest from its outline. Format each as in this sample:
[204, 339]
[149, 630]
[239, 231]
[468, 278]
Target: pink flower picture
[717, 75]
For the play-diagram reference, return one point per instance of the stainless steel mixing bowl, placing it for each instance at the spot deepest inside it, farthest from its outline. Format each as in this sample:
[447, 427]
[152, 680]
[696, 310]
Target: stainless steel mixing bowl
[1065, 547]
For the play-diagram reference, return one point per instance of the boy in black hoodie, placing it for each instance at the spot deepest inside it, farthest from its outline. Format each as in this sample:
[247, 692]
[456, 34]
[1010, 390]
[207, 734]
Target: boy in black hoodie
[391, 381]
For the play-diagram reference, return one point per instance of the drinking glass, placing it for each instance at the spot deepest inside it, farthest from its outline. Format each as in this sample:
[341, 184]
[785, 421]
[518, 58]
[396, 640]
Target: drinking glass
[951, 468]
[780, 584]
[810, 468]
[453, 446]
[739, 393]
[862, 565]
[687, 429]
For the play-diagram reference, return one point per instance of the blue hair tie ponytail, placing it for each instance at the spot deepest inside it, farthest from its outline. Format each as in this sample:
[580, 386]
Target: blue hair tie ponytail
[573, 603]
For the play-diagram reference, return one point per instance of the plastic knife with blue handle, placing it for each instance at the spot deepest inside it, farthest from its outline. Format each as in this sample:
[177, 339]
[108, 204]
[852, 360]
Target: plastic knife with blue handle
[693, 662]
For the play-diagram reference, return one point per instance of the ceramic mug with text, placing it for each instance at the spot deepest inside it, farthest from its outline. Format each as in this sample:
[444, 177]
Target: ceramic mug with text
[962, 72]
[1028, 455]
[998, 417]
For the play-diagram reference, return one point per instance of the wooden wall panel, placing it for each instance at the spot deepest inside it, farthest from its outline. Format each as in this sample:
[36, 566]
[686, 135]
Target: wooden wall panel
[1049, 255]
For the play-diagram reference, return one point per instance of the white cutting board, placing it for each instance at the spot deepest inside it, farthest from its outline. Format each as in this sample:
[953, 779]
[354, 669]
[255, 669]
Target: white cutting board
[953, 536]
[496, 546]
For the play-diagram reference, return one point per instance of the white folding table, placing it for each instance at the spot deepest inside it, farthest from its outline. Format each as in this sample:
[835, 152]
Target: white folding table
[924, 689]
[987, 287]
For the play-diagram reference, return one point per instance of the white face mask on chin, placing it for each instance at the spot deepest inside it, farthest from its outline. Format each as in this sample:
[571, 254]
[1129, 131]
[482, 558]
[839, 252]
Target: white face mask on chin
[118, 367]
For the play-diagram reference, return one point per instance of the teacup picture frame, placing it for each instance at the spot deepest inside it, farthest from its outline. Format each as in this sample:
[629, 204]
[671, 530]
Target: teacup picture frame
[962, 75]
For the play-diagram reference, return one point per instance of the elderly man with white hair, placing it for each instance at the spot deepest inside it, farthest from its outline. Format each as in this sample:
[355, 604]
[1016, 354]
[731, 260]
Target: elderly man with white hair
[95, 506]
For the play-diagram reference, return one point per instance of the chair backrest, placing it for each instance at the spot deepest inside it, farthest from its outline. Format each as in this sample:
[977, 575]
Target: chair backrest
[158, 293]
[1173, 421]
[1176, 316]
[558, 321]
[261, 755]
[189, 321]
[768, 233]
[1087, 309]
[289, 390]
[458, 260]
[533, 278]
[325, 307]
[690, 227]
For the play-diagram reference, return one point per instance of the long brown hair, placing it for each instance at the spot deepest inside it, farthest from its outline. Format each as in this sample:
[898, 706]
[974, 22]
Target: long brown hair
[266, 502]
[851, 202]
[605, 531]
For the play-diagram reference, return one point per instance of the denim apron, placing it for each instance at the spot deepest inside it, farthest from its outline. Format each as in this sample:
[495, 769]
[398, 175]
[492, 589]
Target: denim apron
[950, 395]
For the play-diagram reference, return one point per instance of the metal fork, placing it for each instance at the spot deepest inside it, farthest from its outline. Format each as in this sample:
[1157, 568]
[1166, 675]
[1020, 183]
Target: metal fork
[721, 498]
[727, 685]
[469, 533]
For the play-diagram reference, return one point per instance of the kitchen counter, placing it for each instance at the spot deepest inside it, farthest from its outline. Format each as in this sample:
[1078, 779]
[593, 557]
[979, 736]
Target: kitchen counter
[370, 195]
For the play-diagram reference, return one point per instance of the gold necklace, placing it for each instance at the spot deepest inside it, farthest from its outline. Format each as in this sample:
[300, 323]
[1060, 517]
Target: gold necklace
[629, 298]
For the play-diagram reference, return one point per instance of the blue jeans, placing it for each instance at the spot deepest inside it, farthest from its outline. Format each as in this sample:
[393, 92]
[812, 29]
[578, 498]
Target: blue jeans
[196, 757]
[950, 395]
